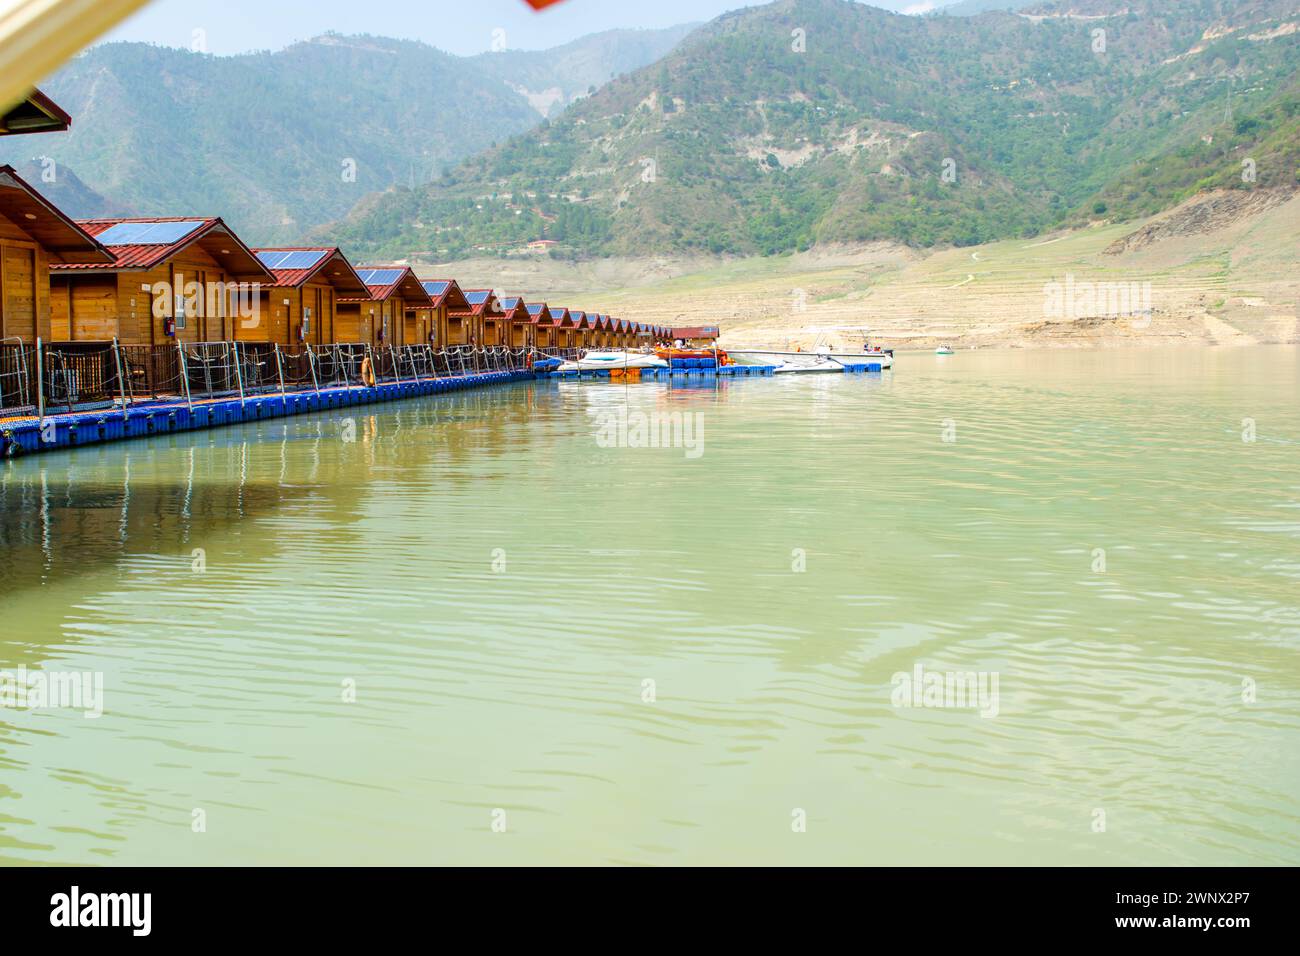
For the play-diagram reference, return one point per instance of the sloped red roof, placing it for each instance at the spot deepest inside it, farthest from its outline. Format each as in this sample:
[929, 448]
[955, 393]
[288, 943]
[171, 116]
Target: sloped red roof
[242, 261]
[445, 291]
[479, 300]
[333, 256]
[515, 309]
[406, 281]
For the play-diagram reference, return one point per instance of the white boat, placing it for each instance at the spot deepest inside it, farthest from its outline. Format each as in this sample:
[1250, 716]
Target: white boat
[820, 359]
[810, 367]
[944, 350]
[611, 358]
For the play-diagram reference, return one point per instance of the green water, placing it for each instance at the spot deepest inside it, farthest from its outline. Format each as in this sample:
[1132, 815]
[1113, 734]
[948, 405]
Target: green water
[499, 589]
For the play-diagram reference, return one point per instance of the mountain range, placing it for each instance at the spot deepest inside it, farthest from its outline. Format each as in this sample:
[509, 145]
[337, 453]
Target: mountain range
[804, 122]
[279, 143]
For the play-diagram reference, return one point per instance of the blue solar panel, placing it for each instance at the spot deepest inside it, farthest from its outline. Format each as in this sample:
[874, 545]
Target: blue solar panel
[380, 276]
[435, 288]
[476, 297]
[286, 259]
[147, 233]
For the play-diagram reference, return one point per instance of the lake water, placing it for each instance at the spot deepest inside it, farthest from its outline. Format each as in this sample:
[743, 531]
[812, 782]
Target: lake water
[480, 628]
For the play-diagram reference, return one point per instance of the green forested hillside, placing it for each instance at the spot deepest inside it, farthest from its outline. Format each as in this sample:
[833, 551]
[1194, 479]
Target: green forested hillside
[270, 140]
[814, 121]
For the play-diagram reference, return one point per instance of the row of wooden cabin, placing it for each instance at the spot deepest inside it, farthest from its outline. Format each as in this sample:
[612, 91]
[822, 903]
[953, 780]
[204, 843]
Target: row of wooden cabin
[157, 280]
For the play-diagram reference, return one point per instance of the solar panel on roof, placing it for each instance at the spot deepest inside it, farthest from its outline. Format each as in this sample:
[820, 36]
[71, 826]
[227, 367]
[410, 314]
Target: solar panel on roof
[435, 288]
[147, 233]
[380, 276]
[292, 259]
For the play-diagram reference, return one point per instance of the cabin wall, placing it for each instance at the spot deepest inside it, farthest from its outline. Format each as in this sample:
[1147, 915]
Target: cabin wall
[24, 285]
[277, 304]
[458, 329]
[83, 307]
[348, 324]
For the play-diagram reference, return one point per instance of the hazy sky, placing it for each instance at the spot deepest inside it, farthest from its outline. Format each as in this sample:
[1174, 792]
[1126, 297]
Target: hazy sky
[458, 26]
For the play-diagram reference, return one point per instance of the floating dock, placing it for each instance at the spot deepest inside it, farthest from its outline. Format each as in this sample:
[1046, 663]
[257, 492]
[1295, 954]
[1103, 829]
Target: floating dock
[72, 429]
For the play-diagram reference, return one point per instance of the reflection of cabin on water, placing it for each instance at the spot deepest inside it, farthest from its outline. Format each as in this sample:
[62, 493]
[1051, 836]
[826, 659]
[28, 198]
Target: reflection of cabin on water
[300, 303]
[397, 310]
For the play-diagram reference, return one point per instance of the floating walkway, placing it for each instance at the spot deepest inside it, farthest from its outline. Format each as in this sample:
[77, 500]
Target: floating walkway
[21, 436]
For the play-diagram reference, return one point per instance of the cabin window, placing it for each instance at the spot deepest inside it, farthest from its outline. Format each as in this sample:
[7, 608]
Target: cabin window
[178, 310]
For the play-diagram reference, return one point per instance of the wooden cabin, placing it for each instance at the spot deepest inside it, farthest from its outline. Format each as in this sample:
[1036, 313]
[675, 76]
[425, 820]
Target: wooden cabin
[581, 329]
[518, 323]
[299, 305]
[561, 328]
[397, 310]
[483, 320]
[539, 317]
[446, 297]
[167, 279]
[34, 234]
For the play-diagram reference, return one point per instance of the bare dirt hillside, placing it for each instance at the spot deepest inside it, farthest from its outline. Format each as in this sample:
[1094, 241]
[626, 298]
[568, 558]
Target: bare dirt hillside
[1212, 271]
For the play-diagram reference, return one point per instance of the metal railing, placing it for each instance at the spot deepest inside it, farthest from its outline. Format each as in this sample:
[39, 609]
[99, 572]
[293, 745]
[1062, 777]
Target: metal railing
[17, 396]
[87, 375]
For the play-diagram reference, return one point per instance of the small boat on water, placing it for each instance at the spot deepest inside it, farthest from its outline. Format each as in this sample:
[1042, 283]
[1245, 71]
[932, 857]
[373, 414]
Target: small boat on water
[821, 359]
[945, 350]
[596, 359]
